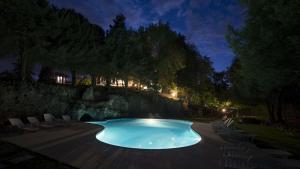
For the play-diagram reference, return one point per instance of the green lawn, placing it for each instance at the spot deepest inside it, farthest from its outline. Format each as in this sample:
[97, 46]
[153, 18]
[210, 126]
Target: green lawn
[273, 136]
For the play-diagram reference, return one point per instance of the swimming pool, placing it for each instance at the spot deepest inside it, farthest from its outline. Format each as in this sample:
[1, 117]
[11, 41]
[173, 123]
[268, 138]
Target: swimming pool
[148, 133]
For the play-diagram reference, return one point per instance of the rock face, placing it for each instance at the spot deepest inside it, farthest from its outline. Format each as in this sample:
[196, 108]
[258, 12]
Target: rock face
[117, 103]
[154, 106]
[116, 106]
[88, 94]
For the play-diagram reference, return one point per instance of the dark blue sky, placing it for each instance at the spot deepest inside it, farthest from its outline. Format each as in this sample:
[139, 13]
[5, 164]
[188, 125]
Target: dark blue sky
[203, 22]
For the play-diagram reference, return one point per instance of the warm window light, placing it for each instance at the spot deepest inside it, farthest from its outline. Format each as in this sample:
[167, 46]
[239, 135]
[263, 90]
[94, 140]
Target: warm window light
[223, 110]
[130, 83]
[145, 87]
[119, 82]
[59, 79]
[173, 93]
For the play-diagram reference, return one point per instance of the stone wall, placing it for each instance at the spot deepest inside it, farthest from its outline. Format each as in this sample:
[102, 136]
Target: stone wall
[33, 99]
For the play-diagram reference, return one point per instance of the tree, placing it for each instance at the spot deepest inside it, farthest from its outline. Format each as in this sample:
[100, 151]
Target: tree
[194, 78]
[45, 75]
[71, 42]
[221, 85]
[267, 48]
[22, 25]
[166, 51]
[94, 57]
[129, 62]
[115, 46]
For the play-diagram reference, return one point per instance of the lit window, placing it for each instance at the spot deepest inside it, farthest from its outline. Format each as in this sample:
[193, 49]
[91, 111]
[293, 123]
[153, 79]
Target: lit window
[59, 79]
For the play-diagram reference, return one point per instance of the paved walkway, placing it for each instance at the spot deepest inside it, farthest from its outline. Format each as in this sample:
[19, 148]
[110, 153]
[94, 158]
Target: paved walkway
[77, 146]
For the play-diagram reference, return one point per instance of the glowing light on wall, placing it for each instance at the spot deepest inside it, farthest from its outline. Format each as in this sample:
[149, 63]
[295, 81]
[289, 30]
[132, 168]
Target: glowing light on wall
[173, 93]
[223, 110]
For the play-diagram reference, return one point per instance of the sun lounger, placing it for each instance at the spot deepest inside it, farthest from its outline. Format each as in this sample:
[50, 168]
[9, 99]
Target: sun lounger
[67, 118]
[35, 122]
[18, 123]
[50, 119]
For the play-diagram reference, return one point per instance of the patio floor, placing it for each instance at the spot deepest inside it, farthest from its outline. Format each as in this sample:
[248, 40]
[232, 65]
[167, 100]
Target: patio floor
[77, 146]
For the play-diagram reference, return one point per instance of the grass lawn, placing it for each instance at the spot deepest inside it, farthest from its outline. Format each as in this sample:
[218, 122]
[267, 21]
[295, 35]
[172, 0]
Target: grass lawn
[273, 136]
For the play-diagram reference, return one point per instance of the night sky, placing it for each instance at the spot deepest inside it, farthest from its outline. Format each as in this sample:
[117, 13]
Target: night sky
[203, 22]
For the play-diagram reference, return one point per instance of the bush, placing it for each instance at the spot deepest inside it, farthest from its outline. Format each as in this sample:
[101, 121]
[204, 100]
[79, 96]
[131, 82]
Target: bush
[250, 120]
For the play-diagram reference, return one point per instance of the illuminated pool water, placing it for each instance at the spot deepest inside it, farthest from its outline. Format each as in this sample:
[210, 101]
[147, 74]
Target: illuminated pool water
[148, 133]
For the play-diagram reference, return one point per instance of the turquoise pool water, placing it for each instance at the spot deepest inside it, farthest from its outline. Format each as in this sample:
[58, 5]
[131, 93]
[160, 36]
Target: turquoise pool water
[148, 133]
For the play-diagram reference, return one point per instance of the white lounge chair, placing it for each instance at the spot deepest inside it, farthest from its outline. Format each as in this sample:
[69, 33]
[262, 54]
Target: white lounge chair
[35, 122]
[66, 118]
[18, 123]
[50, 119]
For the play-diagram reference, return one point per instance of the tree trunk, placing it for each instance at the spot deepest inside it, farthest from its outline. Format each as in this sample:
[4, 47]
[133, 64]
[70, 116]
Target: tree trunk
[73, 72]
[107, 80]
[45, 75]
[139, 85]
[126, 85]
[270, 107]
[23, 67]
[126, 82]
[279, 108]
[93, 76]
